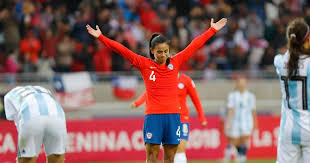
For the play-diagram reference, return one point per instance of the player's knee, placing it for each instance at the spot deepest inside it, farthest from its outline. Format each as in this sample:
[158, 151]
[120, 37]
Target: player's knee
[27, 160]
[152, 154]
[242, 149]
[55, 158]
[169, 158]
[229, 145]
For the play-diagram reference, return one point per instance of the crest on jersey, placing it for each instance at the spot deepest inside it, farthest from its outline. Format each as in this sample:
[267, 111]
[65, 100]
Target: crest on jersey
[181, 85]
[149, 135]
[170, 66]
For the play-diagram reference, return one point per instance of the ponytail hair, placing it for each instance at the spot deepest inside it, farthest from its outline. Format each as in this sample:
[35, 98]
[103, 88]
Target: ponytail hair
[297, 33]
[155, 40]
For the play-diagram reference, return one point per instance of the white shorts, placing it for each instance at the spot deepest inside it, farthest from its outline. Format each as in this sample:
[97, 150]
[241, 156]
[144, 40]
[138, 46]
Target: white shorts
[290, 153]
[237, 132]
[50, 131]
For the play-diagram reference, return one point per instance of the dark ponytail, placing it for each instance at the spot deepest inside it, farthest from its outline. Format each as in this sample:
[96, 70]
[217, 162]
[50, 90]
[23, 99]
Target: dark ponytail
[155, 40]
[297, 33]
[150, 44]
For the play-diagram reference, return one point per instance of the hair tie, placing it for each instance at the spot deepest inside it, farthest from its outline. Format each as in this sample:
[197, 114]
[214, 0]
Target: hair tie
[154, 38]
[292, 35]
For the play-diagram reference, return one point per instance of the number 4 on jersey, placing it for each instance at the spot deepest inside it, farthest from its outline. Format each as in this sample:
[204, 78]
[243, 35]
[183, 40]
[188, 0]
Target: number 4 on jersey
[152, 76]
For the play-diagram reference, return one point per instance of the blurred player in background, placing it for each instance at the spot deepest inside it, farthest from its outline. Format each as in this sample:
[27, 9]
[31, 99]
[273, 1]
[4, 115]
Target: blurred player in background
[241, 118]
[230, 149]
[160, 74]
[38, 119]
[186, 86]
[293, 69]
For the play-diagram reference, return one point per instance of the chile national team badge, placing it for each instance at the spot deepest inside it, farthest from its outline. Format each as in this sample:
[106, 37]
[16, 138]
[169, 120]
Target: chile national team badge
[149, 135]
[170, 66]
[181, 85]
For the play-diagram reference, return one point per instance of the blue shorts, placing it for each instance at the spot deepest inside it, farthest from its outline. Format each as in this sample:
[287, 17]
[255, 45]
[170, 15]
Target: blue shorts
[184, 131]
[162, 129]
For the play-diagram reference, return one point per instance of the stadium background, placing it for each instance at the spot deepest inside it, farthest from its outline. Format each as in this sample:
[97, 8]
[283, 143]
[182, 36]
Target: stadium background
[42, 39]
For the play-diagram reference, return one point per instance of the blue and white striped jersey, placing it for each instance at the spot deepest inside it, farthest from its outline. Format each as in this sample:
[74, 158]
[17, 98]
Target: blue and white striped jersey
[242, 105]
[25, 102]
[295, 115]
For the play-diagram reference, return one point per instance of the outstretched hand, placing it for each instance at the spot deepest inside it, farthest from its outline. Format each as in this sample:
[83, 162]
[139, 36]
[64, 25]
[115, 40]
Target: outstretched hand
[218, 25]
[204, 124]
[96, 33]
[133, 106]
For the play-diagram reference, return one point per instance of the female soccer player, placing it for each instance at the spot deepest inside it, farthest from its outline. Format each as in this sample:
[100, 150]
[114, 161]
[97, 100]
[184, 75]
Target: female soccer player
[162, 114]
[230, 149]
[293, 69]
[186, 86]
[241, 118]
[39, 119]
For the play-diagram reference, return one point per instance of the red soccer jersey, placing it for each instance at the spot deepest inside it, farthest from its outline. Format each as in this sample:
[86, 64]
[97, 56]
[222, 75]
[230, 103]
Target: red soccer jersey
[186, 87]
[160, 80]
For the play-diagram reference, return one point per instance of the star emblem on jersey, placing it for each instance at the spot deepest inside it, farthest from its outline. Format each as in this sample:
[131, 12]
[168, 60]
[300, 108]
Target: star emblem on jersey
[170, 66]
[181, 85]
[149, 135]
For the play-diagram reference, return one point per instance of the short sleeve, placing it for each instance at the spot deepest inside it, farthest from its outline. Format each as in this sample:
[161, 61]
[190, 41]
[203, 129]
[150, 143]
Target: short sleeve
[10, 110]
[230, 101]
[277, 62]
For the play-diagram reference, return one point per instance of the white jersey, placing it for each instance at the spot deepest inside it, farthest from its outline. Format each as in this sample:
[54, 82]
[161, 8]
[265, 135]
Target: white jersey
[295, 115]
[24, 103]
[242, 105]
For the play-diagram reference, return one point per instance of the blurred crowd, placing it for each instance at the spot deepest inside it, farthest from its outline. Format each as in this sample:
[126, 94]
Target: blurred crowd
[47, 36]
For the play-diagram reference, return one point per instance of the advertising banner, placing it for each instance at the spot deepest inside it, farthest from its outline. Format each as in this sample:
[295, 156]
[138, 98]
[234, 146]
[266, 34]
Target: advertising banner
[121, 139]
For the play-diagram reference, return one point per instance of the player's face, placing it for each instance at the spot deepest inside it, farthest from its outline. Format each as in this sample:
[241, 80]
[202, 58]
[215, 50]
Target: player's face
[161, 53]
[241, 84]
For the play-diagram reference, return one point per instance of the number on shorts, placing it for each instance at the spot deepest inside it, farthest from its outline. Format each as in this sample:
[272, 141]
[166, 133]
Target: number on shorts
[152, 76]
[303, 80]
[178, 132]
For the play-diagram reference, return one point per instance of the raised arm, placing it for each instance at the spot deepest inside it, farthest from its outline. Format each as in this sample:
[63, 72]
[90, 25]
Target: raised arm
[139, 101]
[132, 57]
[199, 41]
[195, 98]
